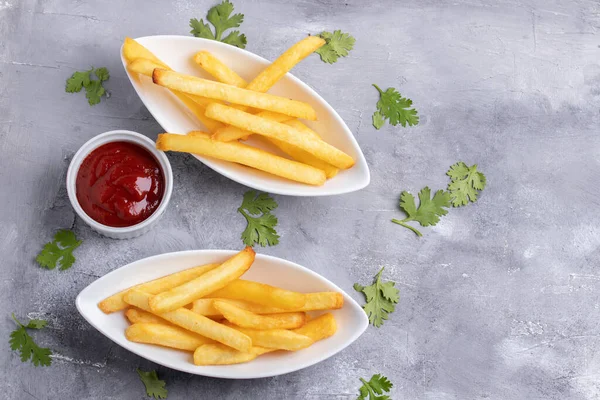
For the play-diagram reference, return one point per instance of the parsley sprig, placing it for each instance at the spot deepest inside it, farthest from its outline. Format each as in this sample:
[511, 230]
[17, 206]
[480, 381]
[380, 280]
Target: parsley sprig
[374, 388]
[256, 208]
[381, 297]
[222, 20]
[337, 44]
[154, 386]
[25, 345]
[59, 252]
[465, 183]
[429, 211]
[395, 108]
[93, 87]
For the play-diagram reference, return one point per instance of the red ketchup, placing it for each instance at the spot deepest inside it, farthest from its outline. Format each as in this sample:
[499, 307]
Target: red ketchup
[119, 184]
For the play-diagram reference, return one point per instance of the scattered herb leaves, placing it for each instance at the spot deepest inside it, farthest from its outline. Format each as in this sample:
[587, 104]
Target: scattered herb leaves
[374, 388]
[256, 208]
[93, 88]
[59, 252]
[465, 183]
[337, 45]
[429, 211]
[220, 17]
[154, 386]
[21, 341]
[395, 108]
[381, 297]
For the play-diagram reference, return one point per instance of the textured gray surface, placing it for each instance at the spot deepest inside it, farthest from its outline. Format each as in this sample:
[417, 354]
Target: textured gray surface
[499, 301]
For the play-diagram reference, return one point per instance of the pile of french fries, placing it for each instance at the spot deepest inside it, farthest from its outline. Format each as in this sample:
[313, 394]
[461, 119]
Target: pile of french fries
[232, 109]
[222, 319]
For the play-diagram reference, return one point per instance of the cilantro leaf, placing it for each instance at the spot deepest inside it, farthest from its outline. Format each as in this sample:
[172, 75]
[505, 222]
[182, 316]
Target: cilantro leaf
[93, 88]
[220, 17]
[260, 228]
[78, 80]
[376, 386]
[102, 74]
[59, 252]
[154, 386]
[23, 343]
[430, 209]
[337, 45]
[378, 120]
[465, 183]
[395, 108]
[381, 299]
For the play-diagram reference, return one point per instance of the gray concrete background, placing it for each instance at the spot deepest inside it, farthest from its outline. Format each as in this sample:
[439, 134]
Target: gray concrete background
[498, 301]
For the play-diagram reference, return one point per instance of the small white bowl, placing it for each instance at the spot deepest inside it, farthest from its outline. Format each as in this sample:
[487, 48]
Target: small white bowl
[127, 232]
[351, 320]
[174, 117]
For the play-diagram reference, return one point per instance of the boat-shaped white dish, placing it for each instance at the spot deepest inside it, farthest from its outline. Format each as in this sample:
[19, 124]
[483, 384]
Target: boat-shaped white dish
[174, 117]
[351, 319]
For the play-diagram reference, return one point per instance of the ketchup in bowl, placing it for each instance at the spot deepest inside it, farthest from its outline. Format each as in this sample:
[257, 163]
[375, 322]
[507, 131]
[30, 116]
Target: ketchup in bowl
[119, 184]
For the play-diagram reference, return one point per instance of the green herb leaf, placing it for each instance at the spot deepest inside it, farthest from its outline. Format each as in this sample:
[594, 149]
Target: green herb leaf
[395, 108]
[102, 74]
[430, 209]
[59, 252]
[374, 388]
[378, 120]
[94, 91]
[154, 386]
[337, 45]
[465, 183]
[381, 297]
[23, 343]
[77, 81]
[256, 208]
[220, 17]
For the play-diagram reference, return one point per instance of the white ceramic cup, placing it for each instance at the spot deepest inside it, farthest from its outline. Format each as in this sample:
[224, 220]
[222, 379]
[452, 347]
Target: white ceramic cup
[127, 232]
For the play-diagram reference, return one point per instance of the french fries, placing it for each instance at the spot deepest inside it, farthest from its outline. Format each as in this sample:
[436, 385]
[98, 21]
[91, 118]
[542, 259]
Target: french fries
[194, 322]
[314, 302]
[285, 133]
[201, 143]
[319, 328]
[137, 316]
[261, 293]
[218, 70]
[116, 302]
[207, 283]
[218, 354]
[232, 94]
[247, 319]
[132, 50]
[280, 339]
[229, 133]
[165, 335]
[284, 63]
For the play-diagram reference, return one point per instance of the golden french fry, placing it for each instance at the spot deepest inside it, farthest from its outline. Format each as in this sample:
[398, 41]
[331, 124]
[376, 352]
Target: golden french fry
[194, 322]
[218, 69]
[137, 316]
[229, 133]
[218, 354]
[314, 302]
[213, 280]
[276, 130]
[319, 328]
[232, 94]
[165, 335]
[248, 319]
[303, 157]
[196, 104]
[201, 143]
[276, 338]
[261, 293]
[116, 302]
[132, 50]
[284, 63]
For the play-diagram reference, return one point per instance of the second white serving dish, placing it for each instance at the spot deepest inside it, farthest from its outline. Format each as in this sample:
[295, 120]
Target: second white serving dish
[173, 116]
[351, 319]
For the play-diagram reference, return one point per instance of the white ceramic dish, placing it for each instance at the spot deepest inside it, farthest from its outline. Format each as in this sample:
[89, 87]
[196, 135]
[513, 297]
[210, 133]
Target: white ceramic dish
[351, 319]
[177, 52]
[120, 136]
